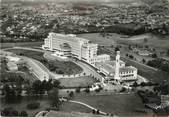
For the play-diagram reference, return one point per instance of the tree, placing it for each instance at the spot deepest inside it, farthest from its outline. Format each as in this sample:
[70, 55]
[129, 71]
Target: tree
[117, 49]
[87, 90]
[143, 60]
[37, 87]
[23, 114]
[93, 111]
[77, 90]
[71, 94]
[56, 83]
[10, 94]
[145, 40]
[167, 52]
[154, 55]
[54, 98]
[9, 112]
[33, 105]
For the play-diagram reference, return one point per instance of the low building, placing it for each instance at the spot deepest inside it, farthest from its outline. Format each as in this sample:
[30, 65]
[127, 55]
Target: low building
[12, 66]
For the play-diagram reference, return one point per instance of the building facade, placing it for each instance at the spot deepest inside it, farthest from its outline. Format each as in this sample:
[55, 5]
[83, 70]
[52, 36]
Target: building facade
[117, 70]
[72, 46]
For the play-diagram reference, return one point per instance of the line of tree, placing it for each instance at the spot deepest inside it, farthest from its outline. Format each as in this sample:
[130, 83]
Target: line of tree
[160, 64]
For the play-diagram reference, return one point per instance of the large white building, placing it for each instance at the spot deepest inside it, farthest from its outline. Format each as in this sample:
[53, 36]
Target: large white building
[70, 45]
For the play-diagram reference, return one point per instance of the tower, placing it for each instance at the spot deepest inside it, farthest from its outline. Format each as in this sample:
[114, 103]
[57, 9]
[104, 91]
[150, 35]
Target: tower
[117, 66]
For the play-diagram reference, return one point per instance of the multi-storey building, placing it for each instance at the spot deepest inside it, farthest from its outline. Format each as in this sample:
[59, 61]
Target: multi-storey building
[82, 49]
[70, 45]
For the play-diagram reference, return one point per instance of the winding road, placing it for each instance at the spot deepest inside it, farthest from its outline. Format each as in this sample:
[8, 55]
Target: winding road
[87, 69]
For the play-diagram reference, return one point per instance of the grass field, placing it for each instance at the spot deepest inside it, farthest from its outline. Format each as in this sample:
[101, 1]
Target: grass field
[119, 104]
[21, 44]
[112, 38]
[152, 40]
[77, 82]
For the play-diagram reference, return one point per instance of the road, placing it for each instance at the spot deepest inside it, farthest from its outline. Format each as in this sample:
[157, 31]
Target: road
[88, 70]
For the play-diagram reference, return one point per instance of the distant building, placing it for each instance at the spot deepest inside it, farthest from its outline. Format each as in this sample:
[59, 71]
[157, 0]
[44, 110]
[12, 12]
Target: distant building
[72, 46]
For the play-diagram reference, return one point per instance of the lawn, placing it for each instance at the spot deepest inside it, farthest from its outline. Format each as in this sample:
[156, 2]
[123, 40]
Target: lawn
[152, 40]
[22, 106]
[77, 82]
[59, 67]
[97, 38]
[21, 44]
[119, 104]
[29, 53]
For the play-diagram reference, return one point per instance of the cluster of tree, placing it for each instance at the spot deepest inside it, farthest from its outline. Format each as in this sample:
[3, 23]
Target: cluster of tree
[96, 111]
[39, 88]
[12, 78]
[130, 56]
[163, 88]
[160, 64]
[149, 97]
[135, 84]
[128, 29]
[12, 93]
[33, 105]
[12, 112]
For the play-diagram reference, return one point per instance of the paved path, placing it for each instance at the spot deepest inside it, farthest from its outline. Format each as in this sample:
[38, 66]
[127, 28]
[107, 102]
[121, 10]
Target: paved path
[88, 106]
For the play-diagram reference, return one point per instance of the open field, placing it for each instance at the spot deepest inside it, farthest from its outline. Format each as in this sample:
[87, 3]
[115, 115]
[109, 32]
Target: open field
[77, 82]
[60, 67]
[22, 106]
[119, 104]
[21, 44]
[28, 53]
[152, 40]
[112, 38]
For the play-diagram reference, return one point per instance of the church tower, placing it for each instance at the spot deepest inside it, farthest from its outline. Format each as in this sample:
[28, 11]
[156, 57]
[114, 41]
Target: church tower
[117, 66]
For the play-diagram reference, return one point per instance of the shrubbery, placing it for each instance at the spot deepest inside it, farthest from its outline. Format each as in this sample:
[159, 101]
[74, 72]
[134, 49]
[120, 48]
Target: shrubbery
[33, 105]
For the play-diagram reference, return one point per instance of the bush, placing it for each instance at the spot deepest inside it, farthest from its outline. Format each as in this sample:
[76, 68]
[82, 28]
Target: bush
[87, 90]
[9, 112]
[78, 90]
[23, 114]
[33, 105]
